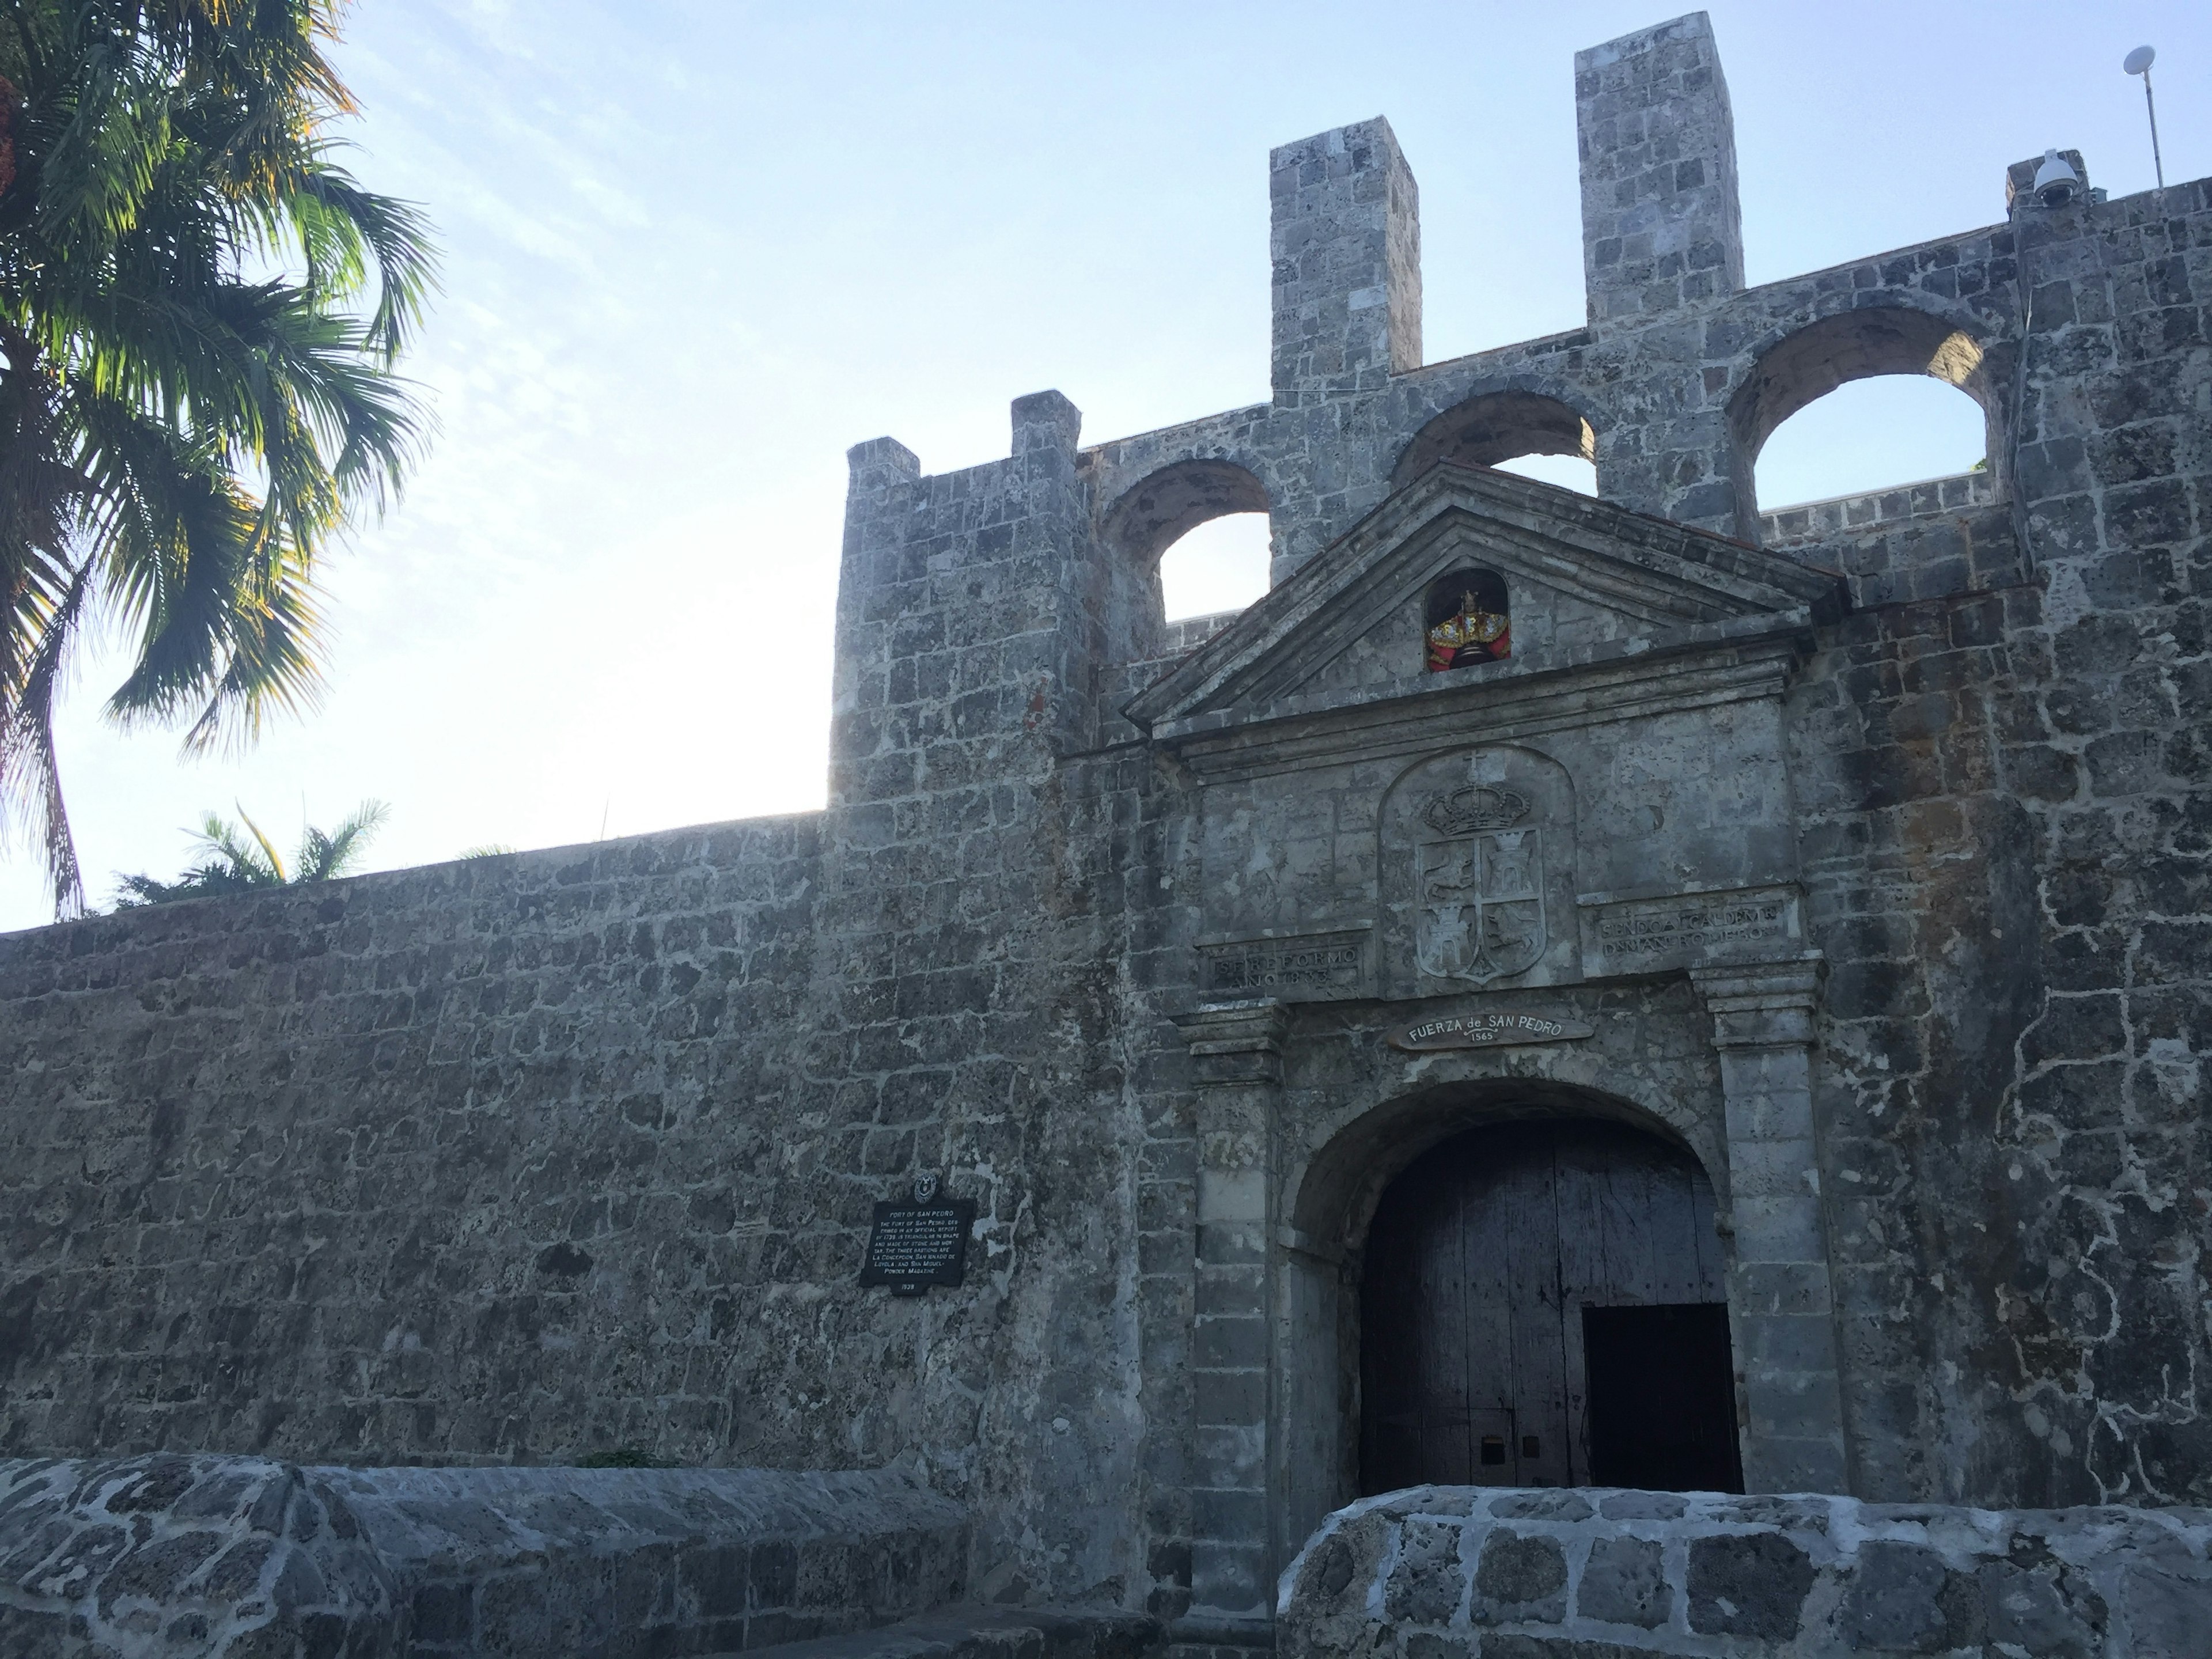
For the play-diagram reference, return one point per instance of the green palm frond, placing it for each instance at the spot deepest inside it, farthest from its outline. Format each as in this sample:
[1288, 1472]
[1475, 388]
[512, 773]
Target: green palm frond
[200, 311]
[325, 856]
[238, 858]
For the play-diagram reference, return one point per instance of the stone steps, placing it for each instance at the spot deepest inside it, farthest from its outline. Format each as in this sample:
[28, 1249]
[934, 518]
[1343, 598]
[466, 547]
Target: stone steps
[984, 1633]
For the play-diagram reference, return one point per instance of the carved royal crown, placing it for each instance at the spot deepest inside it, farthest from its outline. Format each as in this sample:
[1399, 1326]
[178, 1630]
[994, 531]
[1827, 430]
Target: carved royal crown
[1475, 806]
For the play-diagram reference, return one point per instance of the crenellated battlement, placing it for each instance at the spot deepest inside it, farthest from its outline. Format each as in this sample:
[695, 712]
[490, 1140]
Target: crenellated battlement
[1680, 374]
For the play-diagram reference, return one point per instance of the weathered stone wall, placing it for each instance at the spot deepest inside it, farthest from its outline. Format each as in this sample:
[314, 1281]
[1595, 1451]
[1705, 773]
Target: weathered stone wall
[969, 1004]
[2005, 817]
[226, 1557]
[191, 1556]
[520, 1159]
[2001, 784]
[489, 1161]
[1441, 1571]
[615, 1563]
[531, 1156]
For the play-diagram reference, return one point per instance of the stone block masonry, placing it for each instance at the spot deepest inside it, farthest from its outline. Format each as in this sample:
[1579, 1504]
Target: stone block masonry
[1347, 245]
[237, 1558]
[408, 1166]
[202, 1558]
[1660, 225]
[1457, 1573]
[1857, 852]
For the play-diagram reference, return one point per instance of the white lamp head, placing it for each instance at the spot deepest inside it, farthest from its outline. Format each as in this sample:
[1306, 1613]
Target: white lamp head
[2139, 61]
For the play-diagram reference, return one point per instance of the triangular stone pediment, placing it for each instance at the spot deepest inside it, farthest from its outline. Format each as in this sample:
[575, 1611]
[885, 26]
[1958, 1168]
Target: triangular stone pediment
[1591, 583]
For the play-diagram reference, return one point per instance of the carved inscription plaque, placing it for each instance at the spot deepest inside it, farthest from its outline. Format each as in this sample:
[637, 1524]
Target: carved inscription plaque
[1309, 965]
[1486, 1032]
[913, 1246]
[1670, 932]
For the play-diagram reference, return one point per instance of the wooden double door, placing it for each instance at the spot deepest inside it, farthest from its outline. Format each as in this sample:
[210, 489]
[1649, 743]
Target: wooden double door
[1543, 1304]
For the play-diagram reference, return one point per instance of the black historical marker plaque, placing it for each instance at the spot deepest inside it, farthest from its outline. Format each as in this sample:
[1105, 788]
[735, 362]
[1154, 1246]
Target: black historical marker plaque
[913, 1246]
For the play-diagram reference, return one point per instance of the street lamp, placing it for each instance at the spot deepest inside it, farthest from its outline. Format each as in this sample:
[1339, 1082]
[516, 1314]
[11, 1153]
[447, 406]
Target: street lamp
[2138, 62]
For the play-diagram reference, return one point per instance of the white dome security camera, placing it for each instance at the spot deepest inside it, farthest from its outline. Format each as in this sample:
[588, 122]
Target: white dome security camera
[2055, 182]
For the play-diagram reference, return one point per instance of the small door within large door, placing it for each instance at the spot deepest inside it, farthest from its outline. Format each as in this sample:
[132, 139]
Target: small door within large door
[1662, 1398]
[1542, 1304]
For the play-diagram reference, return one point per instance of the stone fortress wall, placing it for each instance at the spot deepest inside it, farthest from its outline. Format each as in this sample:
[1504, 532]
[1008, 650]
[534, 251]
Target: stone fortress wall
[530, 1156]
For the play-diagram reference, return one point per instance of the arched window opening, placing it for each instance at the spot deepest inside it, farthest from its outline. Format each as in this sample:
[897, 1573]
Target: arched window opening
[1913, 390]
[1467, 620]
[1521, 432]
[1221, 565]
[1567, 472]
[1189, 540]
[1872, 435]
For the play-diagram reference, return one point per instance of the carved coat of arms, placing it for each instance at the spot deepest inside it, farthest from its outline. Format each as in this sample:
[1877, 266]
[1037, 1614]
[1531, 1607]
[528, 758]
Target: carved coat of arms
[1481, 886]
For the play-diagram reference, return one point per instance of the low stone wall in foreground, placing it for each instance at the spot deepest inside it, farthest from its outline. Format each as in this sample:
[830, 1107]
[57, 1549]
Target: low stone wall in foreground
[1453, 1572]
[222, 1557]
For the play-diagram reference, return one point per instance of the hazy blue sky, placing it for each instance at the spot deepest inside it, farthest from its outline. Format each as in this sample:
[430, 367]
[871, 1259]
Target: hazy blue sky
[695, 250]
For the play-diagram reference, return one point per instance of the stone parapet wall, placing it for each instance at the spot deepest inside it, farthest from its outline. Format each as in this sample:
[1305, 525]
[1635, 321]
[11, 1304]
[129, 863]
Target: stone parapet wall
[1813, 521]
[1187, 634]
[220, 1557]
[1932, 540]
[1442, 1573]
[197, 1558]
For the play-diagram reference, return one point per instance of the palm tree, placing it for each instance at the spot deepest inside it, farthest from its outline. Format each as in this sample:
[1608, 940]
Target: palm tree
[199, 314]
[238, 856]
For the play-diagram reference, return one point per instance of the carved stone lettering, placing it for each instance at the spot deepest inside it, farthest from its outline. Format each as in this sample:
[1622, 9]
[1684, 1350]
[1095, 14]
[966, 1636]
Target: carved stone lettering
[1313, 963]
[1655, 933]
[1486, 1032]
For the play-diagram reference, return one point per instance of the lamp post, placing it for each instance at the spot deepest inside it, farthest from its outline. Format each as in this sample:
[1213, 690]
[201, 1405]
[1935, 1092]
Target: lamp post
[2138, 62]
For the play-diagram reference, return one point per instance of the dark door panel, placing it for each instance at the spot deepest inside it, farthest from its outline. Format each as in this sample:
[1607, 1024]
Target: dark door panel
[1662, 1398]
[1481, 1260]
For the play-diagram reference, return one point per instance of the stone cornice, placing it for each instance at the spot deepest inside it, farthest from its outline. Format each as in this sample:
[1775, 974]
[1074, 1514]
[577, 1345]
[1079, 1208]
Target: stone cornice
[1729, 662]
[1762, 1004]
[1673, 576]
[1233, 1043]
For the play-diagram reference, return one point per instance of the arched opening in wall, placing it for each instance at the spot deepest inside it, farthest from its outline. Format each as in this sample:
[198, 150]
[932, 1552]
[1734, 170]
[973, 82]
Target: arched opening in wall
[1567, 472]
[1863, 402]
[1189, 541]
[1542, 1304]
[1220, 566]
[1467, 620]
[1521, 432]
[1870, 436]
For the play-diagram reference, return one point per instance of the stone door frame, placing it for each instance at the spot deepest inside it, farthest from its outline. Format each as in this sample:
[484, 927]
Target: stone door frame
[1273, 1437]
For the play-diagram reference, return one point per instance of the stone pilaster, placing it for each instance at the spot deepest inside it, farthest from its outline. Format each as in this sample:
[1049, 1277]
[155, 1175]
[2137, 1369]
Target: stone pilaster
[1347, 245]
[1663, 235]
[878, 503]
[1662, 227]
[1236, 1050]
[1779, 1295]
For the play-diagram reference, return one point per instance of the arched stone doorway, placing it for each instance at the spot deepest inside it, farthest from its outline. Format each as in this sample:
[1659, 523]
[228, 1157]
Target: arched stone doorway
[1543, 1303]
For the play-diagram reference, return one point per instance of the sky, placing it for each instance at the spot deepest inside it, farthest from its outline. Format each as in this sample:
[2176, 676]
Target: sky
[695, 249]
